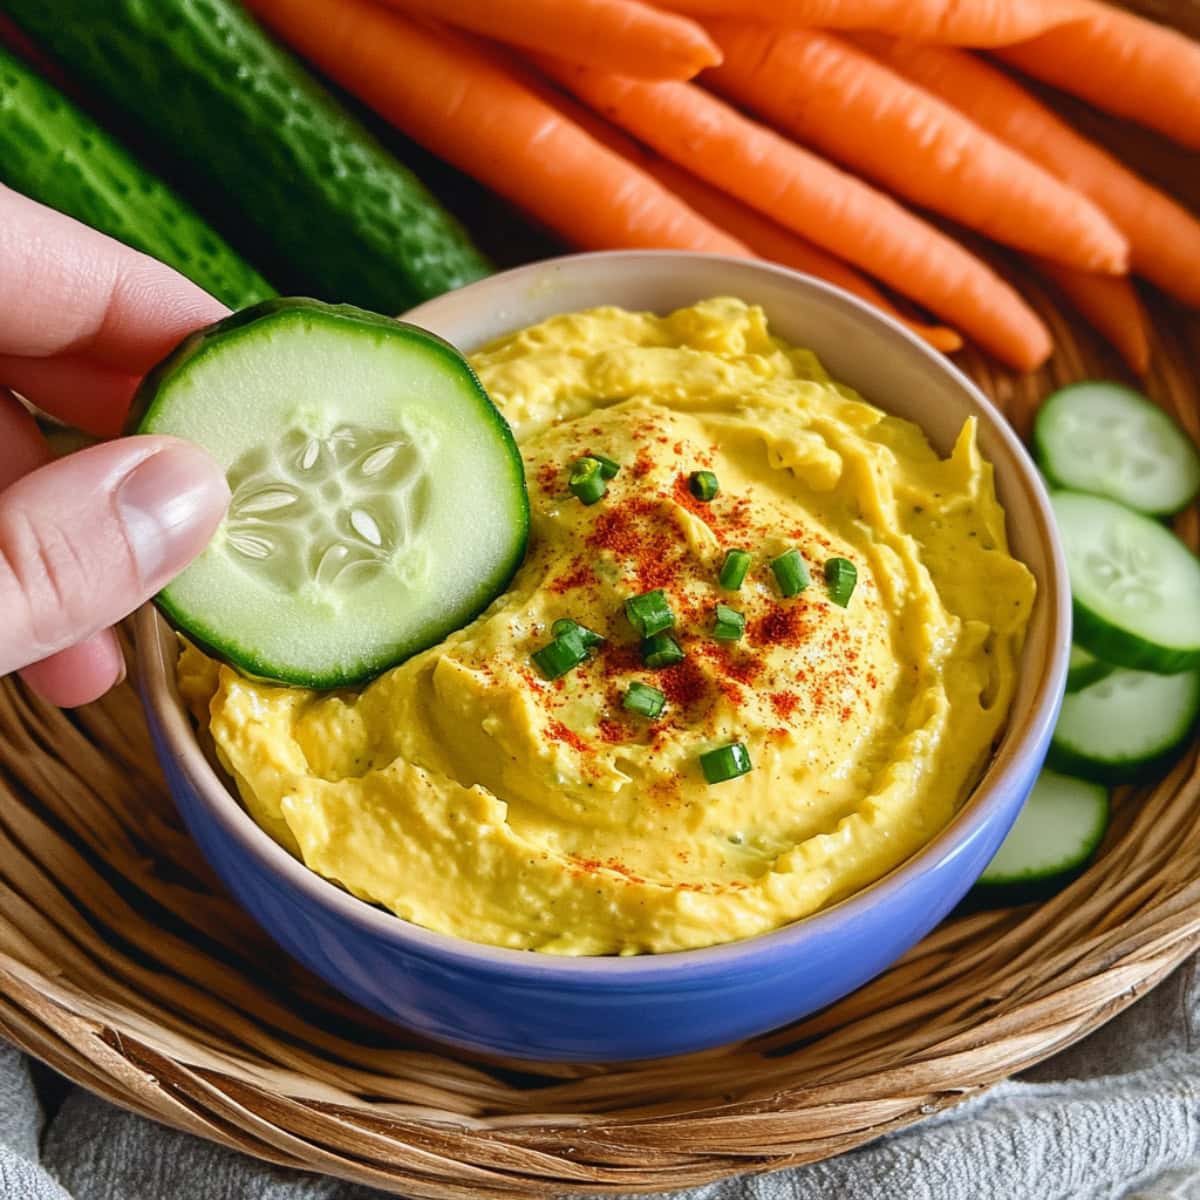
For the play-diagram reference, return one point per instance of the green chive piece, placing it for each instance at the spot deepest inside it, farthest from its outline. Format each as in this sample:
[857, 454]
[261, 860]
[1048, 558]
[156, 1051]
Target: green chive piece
[729, 624]
[565, 624]
[726, 762]
[644, 700]
[661, 650]
[561, 655]
[703, 485]
[608, 466]
[649, 613]
[790, 573]
[587, 480]
[842, 576]
[733, 569]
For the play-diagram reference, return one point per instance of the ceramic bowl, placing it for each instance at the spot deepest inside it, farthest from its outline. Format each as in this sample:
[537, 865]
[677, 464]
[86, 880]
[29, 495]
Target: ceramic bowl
[538, 1006]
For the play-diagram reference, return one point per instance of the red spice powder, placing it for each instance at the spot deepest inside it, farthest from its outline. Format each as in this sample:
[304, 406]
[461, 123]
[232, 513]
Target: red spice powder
[560, 733]
[698, 508]
[684, 684]
[612, 732]
[744, 668]
[784, 704]
[547, 477]
[642, 465]
[634, 531]
[784, 625]
[580, 574]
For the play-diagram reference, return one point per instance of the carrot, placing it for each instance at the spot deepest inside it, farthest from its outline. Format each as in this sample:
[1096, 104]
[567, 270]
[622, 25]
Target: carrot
[830, 95]
[1123, 64]
[1110, 305]
[771, 241]
[445, 91]
[1164, 237]
[809, 196]
[763, 236]
[616, 35]
[960, 22]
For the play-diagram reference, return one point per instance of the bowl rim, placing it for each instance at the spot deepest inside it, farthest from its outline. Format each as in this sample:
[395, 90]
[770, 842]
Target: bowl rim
[1011, 760]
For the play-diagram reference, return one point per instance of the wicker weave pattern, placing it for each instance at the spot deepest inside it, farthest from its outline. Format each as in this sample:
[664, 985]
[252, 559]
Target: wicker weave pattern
[125, 966]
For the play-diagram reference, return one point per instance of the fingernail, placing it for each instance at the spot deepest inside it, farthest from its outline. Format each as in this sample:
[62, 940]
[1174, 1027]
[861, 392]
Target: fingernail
[169, 504]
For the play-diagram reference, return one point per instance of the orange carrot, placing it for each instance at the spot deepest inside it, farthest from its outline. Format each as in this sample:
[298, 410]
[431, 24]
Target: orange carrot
[808, 195]
[616, 35]
[762, 235]
[1123, 64]
[1110, 305]
[839, 99]
[770, 240]
[445, 91]
[960, 22]
[1164, 237]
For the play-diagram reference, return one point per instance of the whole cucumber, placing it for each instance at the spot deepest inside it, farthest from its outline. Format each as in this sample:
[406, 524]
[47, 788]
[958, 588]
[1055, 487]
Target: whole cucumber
[212, 87]
[57, 155]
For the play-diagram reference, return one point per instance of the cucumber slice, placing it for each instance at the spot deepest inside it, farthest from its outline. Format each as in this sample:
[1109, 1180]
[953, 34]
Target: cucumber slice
[1084, 668]
[378, 496]
[1135, 586]
[1111, 441]
[1125, 726]
[1057, 832]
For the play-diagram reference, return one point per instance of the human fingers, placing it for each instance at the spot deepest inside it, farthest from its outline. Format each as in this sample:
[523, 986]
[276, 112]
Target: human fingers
[83, 672]
[67, 289]
[86, 539]
[85, 394]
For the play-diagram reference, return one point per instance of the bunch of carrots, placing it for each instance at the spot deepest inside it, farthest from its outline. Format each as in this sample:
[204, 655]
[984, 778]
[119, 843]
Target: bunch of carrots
[698, 125]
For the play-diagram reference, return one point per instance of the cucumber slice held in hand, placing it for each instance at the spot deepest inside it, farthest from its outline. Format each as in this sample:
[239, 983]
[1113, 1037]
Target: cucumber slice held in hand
[379, 498]
[1055, 834]
[1111, 441]
[1124, 727]
[1135, 587]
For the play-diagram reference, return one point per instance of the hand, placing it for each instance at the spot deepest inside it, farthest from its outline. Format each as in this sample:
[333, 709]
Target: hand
[86, 539]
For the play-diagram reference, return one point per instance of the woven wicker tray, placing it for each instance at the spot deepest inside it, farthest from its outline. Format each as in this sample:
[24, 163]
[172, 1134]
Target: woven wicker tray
[125, 966]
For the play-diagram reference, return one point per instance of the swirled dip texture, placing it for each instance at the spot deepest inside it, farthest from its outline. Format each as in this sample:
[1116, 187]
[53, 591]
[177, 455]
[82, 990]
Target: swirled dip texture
[467, 793]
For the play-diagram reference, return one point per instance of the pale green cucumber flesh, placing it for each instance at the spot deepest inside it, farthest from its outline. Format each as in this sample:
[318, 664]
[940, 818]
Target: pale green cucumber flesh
[1135, 587]
[1126, 725]
[1111, 441]
[378, 497]
[1061, 824]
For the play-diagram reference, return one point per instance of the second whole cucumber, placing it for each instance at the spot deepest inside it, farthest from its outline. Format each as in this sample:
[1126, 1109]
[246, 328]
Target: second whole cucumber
[213, 89]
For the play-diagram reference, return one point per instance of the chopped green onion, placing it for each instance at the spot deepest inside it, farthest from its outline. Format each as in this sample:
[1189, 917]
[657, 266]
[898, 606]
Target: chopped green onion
[558, 657]
[734, 568]
[649, 613]
[841, 575]
[703, 485]
[644, 700]
[608, 466]
[566, 624]
[587, 480]
[790, 573]
[729, 624]
[726, 762]
[661, 650]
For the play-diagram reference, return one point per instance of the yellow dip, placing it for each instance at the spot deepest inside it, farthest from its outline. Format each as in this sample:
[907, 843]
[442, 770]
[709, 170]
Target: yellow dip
[466, 793]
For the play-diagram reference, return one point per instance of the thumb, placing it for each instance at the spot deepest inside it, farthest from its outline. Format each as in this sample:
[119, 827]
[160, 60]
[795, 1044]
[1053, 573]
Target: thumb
[85, 540]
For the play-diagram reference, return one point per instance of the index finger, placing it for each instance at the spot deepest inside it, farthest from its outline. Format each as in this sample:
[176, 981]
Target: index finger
[67, 289]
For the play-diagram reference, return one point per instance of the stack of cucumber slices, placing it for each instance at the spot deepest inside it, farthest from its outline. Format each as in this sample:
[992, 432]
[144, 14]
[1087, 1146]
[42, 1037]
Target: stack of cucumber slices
[1117, 464]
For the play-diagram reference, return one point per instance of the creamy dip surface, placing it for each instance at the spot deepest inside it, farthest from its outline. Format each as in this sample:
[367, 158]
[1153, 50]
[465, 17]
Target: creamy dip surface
[467, 793]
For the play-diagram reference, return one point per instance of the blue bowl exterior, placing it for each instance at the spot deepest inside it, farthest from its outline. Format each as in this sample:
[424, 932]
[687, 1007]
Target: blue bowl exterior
[705, 999]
